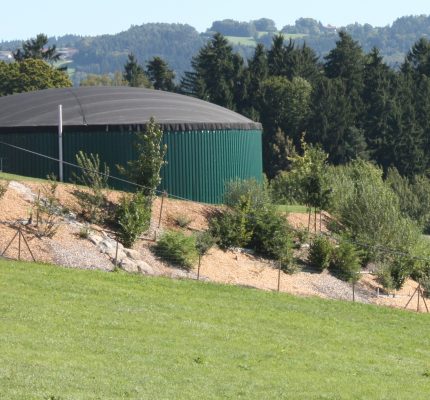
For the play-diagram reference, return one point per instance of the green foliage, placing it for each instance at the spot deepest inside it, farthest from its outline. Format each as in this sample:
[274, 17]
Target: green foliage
[368, 209]
[145, 170]
[84, 232]
[103, 80]
[134, 74]
[257, 192]
[177, 248]
[346, 261]
[47, 207]
[425, 284]
[30, 75]
[204, 242]
[160, 75]
[94, 177]
[36, 48]
[232, 227]
[385, 278]
[252, 221]
[271, 235]
[413, 195]
[182, 220]
[133, 217]
[320, 252]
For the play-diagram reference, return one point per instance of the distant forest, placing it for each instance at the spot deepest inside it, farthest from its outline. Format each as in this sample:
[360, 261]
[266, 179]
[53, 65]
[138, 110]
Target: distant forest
[178, 43]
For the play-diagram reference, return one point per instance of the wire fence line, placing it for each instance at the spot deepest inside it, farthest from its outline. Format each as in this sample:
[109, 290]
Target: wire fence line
[271, 264]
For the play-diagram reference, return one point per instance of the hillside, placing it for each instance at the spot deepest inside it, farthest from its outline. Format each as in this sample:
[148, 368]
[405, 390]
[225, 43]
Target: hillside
[236, 267]
[178, 43]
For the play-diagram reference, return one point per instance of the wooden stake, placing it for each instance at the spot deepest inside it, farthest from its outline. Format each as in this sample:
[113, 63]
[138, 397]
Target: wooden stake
[279, 275]
[198, 268]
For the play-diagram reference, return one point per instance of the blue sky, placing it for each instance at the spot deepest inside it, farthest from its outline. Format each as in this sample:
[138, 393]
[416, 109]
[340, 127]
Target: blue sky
[26, 18]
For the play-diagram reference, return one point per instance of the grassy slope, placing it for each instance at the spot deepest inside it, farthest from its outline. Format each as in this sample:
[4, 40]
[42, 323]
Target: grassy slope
[74, 334]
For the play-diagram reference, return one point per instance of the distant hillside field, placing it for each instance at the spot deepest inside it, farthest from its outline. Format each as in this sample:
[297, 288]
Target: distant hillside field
[74, 334]
[178, 43]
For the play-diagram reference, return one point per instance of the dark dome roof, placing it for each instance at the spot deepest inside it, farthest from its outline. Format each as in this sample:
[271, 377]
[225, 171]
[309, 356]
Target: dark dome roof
[101, 106]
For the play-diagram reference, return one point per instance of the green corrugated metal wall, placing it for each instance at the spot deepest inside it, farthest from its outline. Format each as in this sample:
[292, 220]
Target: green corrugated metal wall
[198, 162]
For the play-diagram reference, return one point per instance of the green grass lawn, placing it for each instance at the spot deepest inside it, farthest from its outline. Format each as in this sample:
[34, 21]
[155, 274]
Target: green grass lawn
[72, 334]
[13, 177]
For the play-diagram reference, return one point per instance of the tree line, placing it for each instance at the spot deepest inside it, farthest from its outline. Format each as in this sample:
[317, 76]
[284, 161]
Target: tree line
[351, 103]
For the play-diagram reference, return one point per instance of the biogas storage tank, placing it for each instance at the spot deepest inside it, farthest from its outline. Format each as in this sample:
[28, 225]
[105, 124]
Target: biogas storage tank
[207, 145]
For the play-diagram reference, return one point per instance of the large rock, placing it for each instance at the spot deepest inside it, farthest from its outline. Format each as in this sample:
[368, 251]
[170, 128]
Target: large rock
[24, 191]
[145, 268]
[95, 239]
[133, 254]
[129, 265]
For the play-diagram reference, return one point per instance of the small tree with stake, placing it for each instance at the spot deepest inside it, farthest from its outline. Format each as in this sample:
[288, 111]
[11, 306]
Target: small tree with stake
[145, 170]
[204, 242]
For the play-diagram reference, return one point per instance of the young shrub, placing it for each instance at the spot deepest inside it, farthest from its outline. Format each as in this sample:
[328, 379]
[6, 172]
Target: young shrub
[425, 284]
[182, 220]
[84, 232]
[232, 228]
[346, 262]
[47, 209]
[94, 177]
[204, 242]
[384, 277]
[272, 236]
[178, 249]
[320, 253]
[145, 170]
[133, 217]
[237, 190]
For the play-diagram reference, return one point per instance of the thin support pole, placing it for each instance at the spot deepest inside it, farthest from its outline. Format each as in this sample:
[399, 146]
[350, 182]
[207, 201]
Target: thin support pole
[161, 208]
[60, 142]
[116, 254]
[413, 294]
[309, 219]
[198, 268]
[353, 291]
[315, 220]
[424, 299]
[418, 302]
[279, 275]
[37, 208]
[5, 250]
[28, 247]
[19, 243]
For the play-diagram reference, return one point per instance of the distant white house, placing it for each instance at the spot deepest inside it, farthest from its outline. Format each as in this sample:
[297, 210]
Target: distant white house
[6, 56]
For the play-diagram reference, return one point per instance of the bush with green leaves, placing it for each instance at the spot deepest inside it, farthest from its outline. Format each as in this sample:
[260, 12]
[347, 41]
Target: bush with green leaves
[425, 284]
[204, 242]
[177, 248]
[257, 192]
[368, 210]
[145, 169]
[133, 217]
[346, 261]
[182, 220]
[320, 252]
[253, 222]
[413, 195]
[271, 235]
[94, 176]
[232, 227]
[47, 208]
